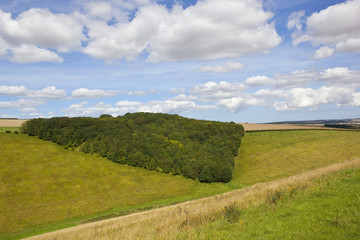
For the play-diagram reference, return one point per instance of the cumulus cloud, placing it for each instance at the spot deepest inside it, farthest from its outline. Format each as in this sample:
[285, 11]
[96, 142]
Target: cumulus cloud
[122, 107]
[43, 28]
[259, 81]
[294, 79]
[324, 52]
[21, 103]
[137, 93]
[207, 30]
[85, 93]
[341, 75]
[337, 26]
[236, 104]
[212, 29]
[48, 93]
[211, 91]
[29, 37]
[13, 90]
[227, 67]
[128, 104]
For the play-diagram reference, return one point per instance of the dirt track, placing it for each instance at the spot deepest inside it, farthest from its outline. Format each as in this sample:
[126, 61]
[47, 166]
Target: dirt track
[11, 122]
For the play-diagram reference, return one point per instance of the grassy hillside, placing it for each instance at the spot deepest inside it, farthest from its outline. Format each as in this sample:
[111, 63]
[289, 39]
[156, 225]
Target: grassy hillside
[45, 187]
[272, 155]
[319, 204]
[328, 208]
[42, 183]
[12, 129]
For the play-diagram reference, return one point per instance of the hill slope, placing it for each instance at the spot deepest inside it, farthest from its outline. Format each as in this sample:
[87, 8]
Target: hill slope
[42, 183]
[320, 204]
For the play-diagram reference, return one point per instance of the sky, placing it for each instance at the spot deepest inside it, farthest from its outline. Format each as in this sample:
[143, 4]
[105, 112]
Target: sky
[225, 60]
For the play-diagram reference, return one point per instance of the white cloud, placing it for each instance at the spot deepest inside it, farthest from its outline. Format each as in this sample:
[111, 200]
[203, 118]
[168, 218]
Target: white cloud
[236, 104]
[32, 54]
[227, 67]
[209, 29]
[42, 28]
[137, 93]
[99, 9]
[211, 91]
[47, 93]
[128, 104]
[28, 110]
[21, 103]
[122, 107]
[295, 20]
[29, 37]
[85, 93]
[124, 39]
[324, 52]
[356, 101]
[177, 91]
[83, 109]
[294, 79]
[212, 29]
[13, 90]
[336, 26]
[259, 81]
[341, 75]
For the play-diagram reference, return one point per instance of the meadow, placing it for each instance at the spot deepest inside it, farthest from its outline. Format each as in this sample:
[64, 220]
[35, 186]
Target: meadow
[45, 187]
[11, 129]
[319, 204]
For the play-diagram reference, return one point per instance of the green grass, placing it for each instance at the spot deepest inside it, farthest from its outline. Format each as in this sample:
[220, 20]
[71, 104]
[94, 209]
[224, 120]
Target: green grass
[12, 129]
[44, 187]
[328, 209]
[271, 155]
[42, 183]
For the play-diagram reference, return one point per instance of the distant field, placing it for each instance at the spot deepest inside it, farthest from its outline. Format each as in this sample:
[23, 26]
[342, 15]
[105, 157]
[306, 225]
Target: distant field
[261, 127]
[45, 187]
[11, 122]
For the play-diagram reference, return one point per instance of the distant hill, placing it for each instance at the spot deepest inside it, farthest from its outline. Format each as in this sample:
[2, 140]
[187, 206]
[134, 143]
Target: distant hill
[328, 121]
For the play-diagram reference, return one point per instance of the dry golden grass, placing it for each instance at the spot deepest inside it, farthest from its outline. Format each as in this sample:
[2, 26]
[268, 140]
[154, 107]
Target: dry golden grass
[11, 122]
[168, 222]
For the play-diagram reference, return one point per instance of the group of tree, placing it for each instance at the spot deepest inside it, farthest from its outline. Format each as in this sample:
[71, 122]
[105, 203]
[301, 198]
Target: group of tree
[196, 149]
[341, 125]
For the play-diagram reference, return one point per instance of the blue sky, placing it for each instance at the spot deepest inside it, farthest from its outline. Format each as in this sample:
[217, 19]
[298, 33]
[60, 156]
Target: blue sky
[226, 60]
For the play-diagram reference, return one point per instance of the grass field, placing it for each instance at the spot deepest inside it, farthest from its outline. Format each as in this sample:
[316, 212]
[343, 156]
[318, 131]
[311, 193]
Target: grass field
[45, 187]
[319, 204]
[328, 208]
[12, 129]
[42, 183]
[273, 155]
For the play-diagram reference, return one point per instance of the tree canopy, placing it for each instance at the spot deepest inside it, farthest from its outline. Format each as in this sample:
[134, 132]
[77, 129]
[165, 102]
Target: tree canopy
[196, 149]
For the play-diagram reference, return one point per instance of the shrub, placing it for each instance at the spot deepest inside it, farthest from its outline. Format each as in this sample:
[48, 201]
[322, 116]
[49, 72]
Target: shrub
[232, 213]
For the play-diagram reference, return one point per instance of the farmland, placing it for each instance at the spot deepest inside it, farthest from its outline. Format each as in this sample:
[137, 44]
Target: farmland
[101, 189]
